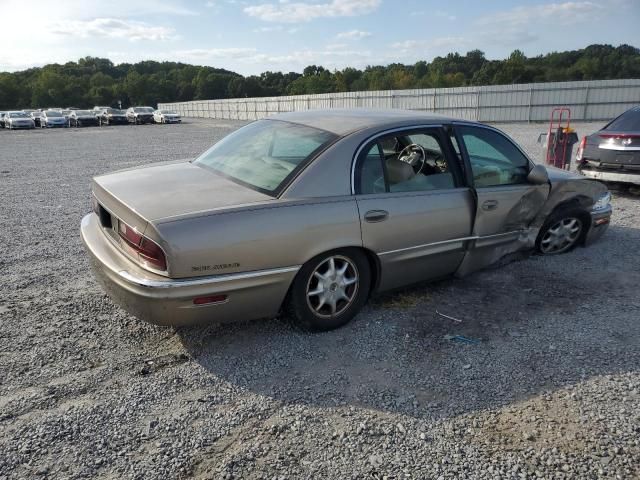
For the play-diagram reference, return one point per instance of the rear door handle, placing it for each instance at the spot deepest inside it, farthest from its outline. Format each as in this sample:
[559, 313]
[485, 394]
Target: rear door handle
[373, 216]
[490, 205]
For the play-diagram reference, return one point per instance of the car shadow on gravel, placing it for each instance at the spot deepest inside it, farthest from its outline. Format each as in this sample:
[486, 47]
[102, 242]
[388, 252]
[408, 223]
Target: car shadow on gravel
[530, 327]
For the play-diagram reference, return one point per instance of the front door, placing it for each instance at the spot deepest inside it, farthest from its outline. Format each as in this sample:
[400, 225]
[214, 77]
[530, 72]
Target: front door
[415, 213]
[506, 202]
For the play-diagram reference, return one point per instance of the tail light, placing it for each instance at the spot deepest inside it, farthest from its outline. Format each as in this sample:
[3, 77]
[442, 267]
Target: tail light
[618, 135]
[583, 143]
[148, 251]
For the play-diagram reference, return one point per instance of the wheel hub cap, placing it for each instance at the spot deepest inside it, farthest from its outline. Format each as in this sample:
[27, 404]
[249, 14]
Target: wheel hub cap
[561, 236]
[332, 286]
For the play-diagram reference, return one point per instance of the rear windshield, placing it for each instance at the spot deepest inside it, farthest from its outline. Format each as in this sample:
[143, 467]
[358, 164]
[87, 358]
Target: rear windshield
[264, 154]
[628, 121]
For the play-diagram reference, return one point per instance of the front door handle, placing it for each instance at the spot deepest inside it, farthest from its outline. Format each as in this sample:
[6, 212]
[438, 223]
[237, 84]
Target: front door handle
[490, 205]
[373, 216]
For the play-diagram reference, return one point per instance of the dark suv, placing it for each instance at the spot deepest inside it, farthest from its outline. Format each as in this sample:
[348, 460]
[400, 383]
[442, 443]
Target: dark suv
[613, 153]
[140, 115]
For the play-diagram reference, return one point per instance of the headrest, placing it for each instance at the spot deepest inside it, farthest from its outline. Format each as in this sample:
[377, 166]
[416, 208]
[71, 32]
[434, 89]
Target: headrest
[398, 172]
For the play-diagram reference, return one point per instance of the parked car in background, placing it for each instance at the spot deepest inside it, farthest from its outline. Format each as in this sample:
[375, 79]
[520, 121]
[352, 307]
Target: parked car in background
[72, 108]
[82, 118]
[112, 116]
[36, 114]
[98, 110]
[66, 114]
[140, 115]
[2, 115]
[18, 119]
[310, 212]
[52, 118]
[166, 116]
[613, 153]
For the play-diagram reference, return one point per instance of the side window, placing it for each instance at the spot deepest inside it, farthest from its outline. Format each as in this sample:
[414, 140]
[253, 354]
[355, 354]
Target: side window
[411, 161]
[371, 172]
[494, 159]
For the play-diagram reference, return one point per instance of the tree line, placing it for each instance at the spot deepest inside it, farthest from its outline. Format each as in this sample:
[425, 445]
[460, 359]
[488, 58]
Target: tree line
[97, 81]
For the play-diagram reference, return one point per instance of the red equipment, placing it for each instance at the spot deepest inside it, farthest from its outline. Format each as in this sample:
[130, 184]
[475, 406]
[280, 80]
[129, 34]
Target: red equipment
[560, 138]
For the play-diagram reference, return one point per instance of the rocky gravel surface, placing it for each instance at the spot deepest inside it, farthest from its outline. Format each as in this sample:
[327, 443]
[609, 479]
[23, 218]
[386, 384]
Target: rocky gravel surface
[547, 384]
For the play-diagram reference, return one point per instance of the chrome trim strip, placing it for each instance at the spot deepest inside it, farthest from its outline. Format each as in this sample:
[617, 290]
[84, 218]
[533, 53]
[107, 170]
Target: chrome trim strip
[354, 160]
[444, 242]
[620, 148]
[209, 280]
[454, 240]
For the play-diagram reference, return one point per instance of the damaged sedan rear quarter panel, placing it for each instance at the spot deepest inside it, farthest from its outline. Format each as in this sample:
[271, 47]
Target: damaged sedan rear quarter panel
[356, 199]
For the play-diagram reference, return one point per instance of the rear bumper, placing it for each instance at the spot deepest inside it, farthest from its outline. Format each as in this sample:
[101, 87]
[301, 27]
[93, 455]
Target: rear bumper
[164, 301]
[611, 176]
[600, 220]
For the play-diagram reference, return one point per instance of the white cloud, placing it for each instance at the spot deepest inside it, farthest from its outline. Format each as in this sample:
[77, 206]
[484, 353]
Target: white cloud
[443, 14]
[202, 54]
[113, 28]
[304, 12]
[426, 45]
[562, 13]
[353, 34]
[210, 4]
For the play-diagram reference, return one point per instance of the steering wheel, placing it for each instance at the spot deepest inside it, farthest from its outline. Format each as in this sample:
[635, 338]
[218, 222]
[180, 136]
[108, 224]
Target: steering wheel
[414, 155]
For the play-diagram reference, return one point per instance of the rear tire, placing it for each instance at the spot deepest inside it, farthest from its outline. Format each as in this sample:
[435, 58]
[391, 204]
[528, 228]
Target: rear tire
[329, 290]
[563, 231]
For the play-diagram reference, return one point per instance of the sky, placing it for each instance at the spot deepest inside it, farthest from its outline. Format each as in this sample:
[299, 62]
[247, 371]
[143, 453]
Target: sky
[253, 36]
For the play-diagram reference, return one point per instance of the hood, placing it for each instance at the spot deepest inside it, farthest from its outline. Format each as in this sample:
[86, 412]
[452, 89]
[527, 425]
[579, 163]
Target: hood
[174, 189]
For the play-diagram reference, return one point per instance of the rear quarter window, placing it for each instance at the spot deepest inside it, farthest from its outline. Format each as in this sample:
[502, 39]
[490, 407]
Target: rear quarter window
[628, 121]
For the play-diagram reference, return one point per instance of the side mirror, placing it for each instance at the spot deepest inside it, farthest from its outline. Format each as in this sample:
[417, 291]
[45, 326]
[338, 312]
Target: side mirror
[538, 175]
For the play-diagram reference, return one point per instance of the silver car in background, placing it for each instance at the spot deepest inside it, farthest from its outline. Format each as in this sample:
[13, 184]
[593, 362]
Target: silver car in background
[140, 115]
[52, 119]
[18, 120]
[166, 116]
[311, 212]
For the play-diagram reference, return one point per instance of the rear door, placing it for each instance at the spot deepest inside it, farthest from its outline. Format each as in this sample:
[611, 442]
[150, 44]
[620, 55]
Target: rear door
[506, 202]
[418, 223]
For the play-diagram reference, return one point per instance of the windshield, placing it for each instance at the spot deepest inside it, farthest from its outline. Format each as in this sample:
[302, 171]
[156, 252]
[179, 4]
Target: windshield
[115, 111]
[265, 153]
[143, 110]
[629, 121]
[18, 115]
[167, 112]
[53, 113]
[80, 113]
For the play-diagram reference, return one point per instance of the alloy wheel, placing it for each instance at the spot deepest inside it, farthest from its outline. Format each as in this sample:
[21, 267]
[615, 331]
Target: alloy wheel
[333, 286]
[561, 236]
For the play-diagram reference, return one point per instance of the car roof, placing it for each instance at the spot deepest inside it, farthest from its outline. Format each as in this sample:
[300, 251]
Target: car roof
[345, 121]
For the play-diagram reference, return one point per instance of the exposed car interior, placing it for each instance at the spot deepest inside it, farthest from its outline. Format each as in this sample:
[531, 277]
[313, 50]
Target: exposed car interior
[413, 162]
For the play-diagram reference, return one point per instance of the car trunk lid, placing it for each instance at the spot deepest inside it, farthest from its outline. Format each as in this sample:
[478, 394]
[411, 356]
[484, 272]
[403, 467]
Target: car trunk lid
[171, 190]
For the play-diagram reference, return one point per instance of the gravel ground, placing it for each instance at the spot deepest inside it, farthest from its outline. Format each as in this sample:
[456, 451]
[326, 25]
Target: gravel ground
[551, 389]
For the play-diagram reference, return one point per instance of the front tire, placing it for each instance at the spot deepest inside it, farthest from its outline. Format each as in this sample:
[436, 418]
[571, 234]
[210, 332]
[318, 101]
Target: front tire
[562, 231]
[330, 290]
